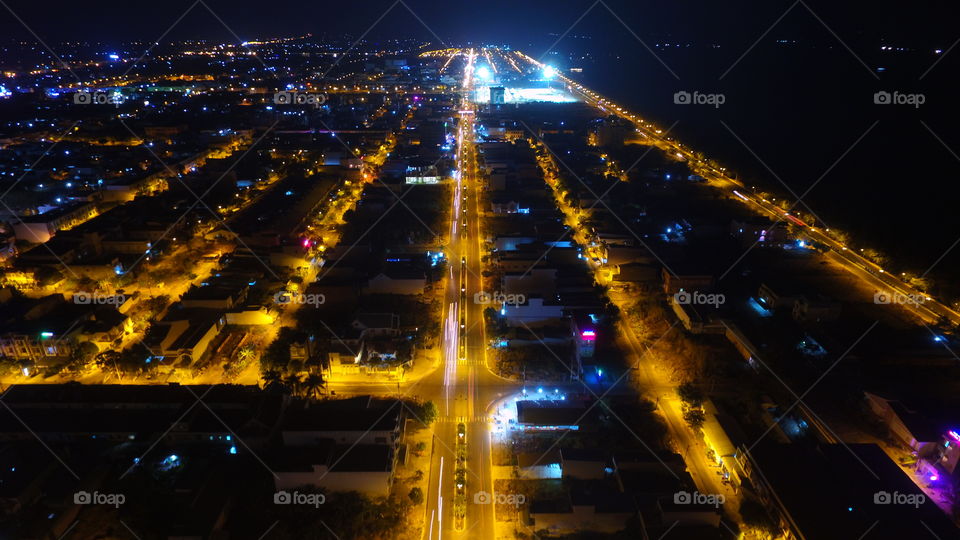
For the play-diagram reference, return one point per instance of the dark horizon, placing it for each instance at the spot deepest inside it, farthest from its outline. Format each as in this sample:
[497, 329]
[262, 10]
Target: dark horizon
[493, 22]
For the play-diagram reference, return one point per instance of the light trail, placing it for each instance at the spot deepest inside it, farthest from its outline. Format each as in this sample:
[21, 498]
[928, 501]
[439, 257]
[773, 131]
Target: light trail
[451, 340]
[510, 61]
[440, 502]
[493, 66]
[447, 63]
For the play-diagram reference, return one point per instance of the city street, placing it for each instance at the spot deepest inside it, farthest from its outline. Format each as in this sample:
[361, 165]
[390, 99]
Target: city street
[464, 387]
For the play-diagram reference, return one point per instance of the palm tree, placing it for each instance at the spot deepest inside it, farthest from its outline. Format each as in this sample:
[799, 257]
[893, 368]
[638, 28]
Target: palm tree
[246, 353]
[312, 384]
[271, 379]
[293, 383]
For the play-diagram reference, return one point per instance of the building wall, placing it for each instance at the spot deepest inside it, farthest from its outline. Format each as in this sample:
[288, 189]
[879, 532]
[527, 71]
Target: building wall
[204, 343]
[687, 316]
[673, 284]
[250, 317]
[196, 352]
[882, 408]
[743, 345]
[33, 232]
[34, 349]
[775, 300]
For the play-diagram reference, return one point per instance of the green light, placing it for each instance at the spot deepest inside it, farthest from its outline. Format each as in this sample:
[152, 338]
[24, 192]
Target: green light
[46, 334]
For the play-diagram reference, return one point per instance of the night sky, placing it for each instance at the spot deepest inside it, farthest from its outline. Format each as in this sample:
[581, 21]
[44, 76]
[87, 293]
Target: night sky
[518, 23]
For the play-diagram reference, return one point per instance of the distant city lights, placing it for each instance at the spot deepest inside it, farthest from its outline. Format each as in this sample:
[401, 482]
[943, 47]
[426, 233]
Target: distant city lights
[526, 95]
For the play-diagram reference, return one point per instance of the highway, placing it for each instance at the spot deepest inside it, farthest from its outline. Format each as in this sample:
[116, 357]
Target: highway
[925, 307]
[463, 387]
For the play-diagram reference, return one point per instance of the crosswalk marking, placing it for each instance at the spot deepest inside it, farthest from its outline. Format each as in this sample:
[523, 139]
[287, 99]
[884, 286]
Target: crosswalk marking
[464, 419]
[470, 361]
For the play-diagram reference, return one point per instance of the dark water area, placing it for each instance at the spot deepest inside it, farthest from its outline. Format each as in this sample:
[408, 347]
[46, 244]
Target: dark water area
[799, 118]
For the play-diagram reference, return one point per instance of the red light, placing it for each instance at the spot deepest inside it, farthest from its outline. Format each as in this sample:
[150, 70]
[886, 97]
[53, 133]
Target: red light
[306, 242]
[588, 335]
